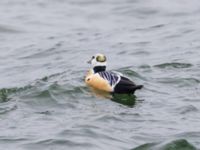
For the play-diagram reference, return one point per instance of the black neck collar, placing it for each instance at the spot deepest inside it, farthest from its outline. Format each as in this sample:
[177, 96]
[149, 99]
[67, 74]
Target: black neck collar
[99, 69]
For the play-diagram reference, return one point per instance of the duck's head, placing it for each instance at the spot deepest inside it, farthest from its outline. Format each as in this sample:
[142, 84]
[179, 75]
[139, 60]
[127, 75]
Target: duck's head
[98, 62]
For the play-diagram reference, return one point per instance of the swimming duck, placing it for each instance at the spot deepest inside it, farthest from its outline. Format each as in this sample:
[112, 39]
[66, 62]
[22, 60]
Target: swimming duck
[108, 81]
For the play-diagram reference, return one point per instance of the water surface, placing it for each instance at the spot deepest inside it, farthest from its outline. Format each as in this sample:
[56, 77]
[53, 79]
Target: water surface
[44, 45]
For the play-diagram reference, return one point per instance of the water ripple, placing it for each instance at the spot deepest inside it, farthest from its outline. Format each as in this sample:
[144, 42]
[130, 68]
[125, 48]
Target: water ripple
[6, 29]
[182, 82]
[129, 72]
[180, 144]
[54, 143]
[173, 65]
[187, 109]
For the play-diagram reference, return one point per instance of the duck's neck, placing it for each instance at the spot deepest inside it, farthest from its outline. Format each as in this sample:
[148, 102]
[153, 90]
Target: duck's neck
[99, 69]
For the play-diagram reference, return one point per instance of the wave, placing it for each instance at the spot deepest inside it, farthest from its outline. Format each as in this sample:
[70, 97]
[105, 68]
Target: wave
[187, 109]
[179, 81]
[50, 143]
[5, 93]
[173, 65]
[6, 29]
[46, 87]
[179, 144]
[129, 72]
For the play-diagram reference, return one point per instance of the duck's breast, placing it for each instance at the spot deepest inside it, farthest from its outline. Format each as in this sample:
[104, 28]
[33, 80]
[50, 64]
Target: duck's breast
[97, 82]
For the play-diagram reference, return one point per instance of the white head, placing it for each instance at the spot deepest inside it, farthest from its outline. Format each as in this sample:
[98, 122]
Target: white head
[98, 60]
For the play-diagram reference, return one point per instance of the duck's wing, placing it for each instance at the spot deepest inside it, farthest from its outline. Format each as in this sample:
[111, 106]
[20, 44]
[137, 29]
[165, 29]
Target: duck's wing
[111, 77]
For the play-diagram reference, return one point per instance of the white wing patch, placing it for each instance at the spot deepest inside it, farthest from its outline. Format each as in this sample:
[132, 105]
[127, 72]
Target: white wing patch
[111, 77]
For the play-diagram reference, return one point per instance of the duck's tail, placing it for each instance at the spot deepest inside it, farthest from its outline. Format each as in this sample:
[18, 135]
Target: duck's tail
[138, 87]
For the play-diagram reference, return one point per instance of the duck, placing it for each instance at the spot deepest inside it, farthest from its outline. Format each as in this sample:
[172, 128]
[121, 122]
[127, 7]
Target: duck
[108, 81]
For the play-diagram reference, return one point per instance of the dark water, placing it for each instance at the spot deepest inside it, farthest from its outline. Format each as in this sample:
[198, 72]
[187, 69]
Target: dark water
[44, 46]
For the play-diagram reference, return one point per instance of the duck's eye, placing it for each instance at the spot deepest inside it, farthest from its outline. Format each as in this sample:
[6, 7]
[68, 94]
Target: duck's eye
[93, 57]
[101, 58]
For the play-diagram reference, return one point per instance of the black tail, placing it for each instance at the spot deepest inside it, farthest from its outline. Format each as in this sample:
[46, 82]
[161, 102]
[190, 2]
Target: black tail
[134, 88]
[138, 87]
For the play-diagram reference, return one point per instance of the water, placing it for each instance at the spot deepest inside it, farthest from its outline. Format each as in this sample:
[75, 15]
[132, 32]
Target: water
[44, 103]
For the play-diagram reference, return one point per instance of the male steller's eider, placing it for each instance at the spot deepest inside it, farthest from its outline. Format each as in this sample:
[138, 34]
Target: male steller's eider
[100, 79]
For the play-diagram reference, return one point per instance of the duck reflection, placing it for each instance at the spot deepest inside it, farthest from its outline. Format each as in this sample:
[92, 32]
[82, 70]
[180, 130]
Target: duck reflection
[125, 99]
